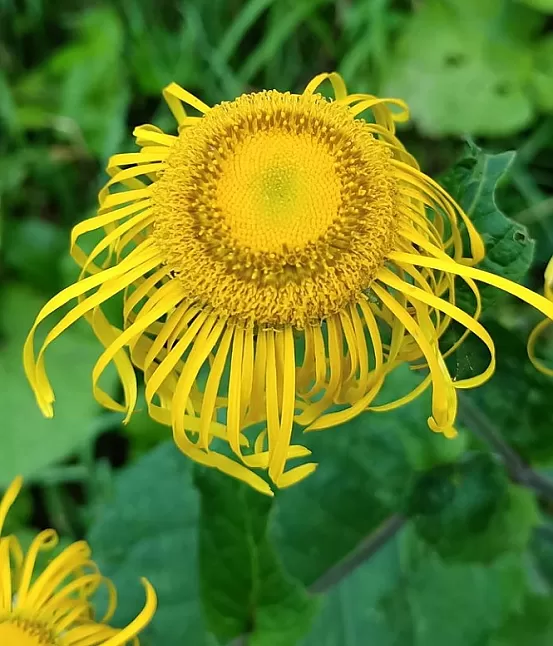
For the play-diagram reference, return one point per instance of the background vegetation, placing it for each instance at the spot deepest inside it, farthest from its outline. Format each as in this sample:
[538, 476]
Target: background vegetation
[401, 537]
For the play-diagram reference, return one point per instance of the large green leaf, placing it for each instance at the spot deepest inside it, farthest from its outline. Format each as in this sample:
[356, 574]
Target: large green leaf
[244, 588]
[465, 66]
[532, 625]
[455, 604]
[516, 402]
[150, 528]
[366, 472]
[29, 441]
[406, 595]
[469, 512]
[351, 613]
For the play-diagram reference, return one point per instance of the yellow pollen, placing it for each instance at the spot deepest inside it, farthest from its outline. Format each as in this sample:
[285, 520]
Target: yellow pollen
[278, 190]
[276, 209]
[21, 632]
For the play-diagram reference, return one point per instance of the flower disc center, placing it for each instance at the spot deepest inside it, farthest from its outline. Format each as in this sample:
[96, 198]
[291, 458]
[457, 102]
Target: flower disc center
[276, 209]
[278, 190]
[18, 632]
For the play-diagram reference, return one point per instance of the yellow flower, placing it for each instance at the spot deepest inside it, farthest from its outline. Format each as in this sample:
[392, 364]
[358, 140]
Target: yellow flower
[540, 327]
[53, 608]
[278, 258]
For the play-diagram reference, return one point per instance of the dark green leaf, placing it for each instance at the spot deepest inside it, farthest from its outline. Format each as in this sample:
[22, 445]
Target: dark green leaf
[469, 512]
[365, 474]
[406, 595]
[517, 400]
[542, 553]
[244, 588]
[33, 249]
[457, 605]
[473, 182]
[149, 528]
[144, 432]
[354, 611]
[531, 626]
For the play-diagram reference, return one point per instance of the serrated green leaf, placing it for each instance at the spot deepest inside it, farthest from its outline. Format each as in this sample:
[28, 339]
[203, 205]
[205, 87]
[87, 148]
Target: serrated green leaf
[149, 528]
[473, 182]
[365, 474]
[244, 587]
[31, 442]
[464, 66]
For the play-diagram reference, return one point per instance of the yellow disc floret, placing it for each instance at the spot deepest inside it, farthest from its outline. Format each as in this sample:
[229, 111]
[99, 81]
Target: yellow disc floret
[20, 632]
[276, 208]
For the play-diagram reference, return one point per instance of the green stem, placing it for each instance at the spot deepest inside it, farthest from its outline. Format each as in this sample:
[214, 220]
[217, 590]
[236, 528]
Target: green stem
[362, 553]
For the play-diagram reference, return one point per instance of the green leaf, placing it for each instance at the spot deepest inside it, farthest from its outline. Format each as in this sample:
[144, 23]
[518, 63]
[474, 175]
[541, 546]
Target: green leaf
[143, 432]
[29, 441]
[469, 512]
[366, 472]
[465, 65]
[542, 75]
[531, 626]
[540, 5]
[406, 595]
[244, 587]
[149, 528]
[33, 249]
[542, 554]
[456, 604]
[473, 182]
[517, 400]
[351, 612]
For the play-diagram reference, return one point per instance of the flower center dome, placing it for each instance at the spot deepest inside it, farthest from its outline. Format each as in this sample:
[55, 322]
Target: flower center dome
[276, 209]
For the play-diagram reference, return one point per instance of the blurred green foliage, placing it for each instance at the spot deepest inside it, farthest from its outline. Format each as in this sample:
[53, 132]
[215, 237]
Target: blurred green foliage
[412, 539]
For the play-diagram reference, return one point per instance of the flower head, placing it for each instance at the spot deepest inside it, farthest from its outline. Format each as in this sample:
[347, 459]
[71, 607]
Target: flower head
[53, 608]
[278, 258]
